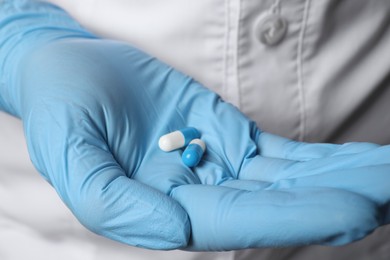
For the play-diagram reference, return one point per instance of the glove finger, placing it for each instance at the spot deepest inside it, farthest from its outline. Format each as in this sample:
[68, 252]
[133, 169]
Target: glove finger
[266, 169]
[369, 181]
[247, 185]
[212, 173]
[275, 146]
[273, 169]
[226, 219]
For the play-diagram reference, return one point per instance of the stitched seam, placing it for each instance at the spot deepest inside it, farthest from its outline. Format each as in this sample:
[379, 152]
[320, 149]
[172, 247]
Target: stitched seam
[235, 60]
[234, 54]
[238, 53]
[232, 49]
[302, 125]
[226, 49]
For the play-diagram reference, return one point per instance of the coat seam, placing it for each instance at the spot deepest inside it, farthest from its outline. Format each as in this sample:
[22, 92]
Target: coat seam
[231, 86]
[226, 49]
[238, 53]
[299, 62]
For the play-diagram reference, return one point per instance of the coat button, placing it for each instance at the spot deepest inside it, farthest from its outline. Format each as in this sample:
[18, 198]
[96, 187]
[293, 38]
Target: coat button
[271, 29]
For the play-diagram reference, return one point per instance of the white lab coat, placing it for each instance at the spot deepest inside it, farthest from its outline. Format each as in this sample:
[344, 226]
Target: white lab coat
[327, 79]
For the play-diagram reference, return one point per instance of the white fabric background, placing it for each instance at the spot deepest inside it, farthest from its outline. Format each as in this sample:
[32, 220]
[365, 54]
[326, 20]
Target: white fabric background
[35, 224]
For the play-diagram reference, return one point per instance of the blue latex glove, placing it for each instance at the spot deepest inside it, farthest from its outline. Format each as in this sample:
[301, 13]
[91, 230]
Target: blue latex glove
[93, 111]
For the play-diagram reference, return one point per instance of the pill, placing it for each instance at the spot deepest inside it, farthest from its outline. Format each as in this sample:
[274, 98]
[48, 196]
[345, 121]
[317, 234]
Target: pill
[178, 139]
[193, 153]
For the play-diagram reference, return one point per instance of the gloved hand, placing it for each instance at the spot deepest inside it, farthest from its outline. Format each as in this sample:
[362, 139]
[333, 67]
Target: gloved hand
[93, 111]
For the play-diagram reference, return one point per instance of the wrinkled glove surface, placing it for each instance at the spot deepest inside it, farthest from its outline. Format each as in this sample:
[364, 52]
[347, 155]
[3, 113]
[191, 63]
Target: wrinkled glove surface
[93, 111]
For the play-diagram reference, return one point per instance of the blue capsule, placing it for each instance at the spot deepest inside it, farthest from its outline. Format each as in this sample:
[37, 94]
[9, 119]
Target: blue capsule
[178, 139]
[193, 153]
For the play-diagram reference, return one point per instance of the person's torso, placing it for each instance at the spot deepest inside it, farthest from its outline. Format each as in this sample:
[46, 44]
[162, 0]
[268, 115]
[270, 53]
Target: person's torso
[327, 79]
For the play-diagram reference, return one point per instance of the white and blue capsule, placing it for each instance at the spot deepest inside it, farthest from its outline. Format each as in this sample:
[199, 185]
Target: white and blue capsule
[193, 153]
[178, 139]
